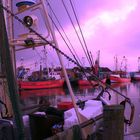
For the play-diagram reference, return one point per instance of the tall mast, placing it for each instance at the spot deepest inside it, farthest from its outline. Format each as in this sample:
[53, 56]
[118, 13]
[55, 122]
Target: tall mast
[10, 76]
[123, 66]
[62, 64]
[116, 63]
[9, 27]
[138, 64]
[98, 57]
[10, 31]
[96, 65]
[41, 5]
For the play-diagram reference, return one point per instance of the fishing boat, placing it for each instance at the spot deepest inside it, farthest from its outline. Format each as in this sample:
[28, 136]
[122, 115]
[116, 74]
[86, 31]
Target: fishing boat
[136, 76]
[45, 78]
[39, 80]
[42, 125]
[116, 78]
[86, 82]
[88, 79]
[120, 76]
[40, 84]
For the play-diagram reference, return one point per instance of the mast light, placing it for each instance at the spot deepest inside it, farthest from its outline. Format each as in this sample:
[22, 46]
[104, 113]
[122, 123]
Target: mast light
[30, 20]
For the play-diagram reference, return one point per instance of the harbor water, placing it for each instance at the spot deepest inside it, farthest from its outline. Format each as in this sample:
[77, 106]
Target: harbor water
[54, 96]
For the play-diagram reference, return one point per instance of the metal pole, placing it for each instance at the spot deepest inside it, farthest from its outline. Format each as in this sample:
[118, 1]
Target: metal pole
[62, 64]
[8, 66]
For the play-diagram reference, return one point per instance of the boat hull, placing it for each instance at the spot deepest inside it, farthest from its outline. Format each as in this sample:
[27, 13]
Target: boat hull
[89, 83]
[73, 82]
[86, 83]
[40, 84]
[136, 77]
[115, 79]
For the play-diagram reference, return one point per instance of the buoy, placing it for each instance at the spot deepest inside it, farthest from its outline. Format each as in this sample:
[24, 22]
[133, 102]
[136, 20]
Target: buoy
[65, 105]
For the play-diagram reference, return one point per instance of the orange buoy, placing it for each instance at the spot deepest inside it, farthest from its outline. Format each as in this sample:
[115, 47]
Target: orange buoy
[65, 105]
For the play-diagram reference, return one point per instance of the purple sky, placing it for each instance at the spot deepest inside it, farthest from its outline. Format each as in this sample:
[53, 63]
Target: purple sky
[113, 27]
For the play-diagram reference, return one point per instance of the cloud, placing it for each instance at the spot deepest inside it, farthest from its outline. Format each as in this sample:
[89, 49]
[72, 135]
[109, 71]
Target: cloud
[109, 26]
[111, 30]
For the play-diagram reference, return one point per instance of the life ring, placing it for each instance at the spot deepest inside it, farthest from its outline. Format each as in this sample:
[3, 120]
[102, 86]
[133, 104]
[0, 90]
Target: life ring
[130, 120]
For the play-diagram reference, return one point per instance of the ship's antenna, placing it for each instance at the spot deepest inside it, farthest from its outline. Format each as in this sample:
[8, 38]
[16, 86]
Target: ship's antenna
[139, 63]
[116, 63]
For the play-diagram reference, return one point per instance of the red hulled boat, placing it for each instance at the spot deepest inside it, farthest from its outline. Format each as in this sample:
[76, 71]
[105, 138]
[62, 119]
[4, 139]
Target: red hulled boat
[86, 82]
[40, 84]
[116, 78]
[136, 76]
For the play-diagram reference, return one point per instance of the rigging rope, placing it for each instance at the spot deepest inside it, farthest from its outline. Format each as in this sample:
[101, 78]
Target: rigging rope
[38, 54]
[70, 50]
[81, 33]
[64, 34]
[66, 42]
[76, 31]
[70, 59]
[62, 53]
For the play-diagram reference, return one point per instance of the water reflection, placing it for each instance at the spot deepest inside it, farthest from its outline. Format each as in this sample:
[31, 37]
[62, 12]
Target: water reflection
[132, 90]
[41, 92]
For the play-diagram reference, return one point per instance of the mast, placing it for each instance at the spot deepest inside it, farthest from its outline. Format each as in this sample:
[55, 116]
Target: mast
[41, 5]
[123, 66]
[96, 65]
[4, 92]
[98, 58]
[138, 64]
[62, 64]
[10, 32]
[10, 76]
[116, 63]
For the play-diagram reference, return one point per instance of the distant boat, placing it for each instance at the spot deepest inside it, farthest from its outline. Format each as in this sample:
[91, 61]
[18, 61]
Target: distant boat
[117, 78]
[92, 109]
[116, 85]
[41, 80]
[136, 76]
[84, 82]
[120, 76]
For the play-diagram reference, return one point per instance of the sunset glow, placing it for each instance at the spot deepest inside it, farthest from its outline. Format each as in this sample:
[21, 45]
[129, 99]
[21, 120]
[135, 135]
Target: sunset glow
[111, 27]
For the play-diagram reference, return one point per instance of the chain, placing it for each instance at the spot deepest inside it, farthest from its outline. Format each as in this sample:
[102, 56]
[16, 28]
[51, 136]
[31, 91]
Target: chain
[53, 46]
[62, 53]
[69, 59]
